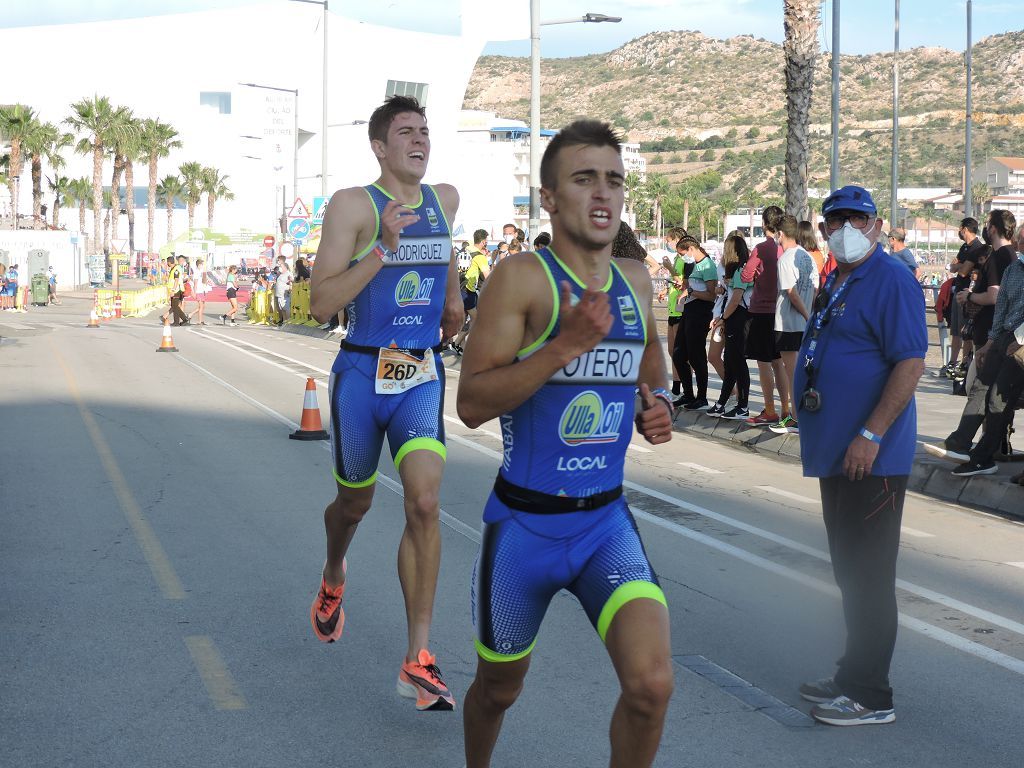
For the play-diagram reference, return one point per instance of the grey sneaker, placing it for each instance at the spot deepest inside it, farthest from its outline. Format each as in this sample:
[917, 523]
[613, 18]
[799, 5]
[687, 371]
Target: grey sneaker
[820, 691]
[845, 711]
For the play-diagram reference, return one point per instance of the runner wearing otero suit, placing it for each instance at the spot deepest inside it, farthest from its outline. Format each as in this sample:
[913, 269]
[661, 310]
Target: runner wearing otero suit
[568, 440]
[388, 376]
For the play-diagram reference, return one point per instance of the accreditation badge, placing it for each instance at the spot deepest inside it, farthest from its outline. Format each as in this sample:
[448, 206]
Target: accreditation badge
[399, 371]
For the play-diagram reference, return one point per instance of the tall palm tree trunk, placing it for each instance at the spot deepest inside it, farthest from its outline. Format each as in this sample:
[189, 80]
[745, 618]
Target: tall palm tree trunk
[129, 203]
[801, 21]
[211, 200]
[686, 214]
[81, 216]
[97, 197]
[115, 195]
[37, 190]
[151, 202]
[14, 178]
[170, 220]
[191, 214]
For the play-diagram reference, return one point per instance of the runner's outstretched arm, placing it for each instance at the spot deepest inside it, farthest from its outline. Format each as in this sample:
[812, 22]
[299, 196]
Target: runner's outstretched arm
[492, 382]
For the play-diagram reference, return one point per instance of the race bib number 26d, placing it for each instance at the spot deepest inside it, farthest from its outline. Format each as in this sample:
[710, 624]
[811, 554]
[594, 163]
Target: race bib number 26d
[399, 371]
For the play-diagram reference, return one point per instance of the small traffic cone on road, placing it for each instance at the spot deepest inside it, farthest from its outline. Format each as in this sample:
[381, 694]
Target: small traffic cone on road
[310, 426]
[167, 341]
[93, 320]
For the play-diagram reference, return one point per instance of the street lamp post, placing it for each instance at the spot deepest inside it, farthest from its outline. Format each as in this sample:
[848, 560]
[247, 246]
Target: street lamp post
[968, 196]
[895, 117]
[833, 176]
[535, 25]
[323, 122]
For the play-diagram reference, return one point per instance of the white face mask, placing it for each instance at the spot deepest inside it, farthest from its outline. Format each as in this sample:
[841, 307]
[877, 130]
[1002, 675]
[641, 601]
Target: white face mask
[849, 245]
[508, 238]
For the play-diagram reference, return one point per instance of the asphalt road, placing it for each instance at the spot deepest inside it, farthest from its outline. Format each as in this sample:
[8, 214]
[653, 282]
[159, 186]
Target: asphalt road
[161, 539]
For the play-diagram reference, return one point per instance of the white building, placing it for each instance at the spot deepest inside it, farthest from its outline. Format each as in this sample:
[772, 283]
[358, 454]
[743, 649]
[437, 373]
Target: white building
[192, 69]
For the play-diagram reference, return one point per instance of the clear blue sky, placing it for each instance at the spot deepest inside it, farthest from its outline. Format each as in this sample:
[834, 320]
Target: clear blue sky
[866, 24]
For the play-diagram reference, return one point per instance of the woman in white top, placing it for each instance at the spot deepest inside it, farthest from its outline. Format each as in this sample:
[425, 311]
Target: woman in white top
[201, 286]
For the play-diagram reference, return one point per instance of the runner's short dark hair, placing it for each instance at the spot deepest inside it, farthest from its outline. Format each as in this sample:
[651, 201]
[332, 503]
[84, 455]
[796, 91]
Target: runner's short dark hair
[970, 224]
[771, 218]
[386, 113]
[1004, 221]
[586, 133]
[480, 236]
[542, 240]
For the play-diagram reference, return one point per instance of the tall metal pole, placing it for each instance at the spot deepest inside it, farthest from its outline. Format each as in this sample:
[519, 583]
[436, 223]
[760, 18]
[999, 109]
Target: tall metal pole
[833, 178]
[895, 119]
[295, 158]
[323, 125]
[968, 201]
[534, 225]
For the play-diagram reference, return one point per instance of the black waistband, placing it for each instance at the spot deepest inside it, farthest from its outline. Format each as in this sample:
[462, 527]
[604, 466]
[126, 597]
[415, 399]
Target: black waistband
[526, 500]
[346, 344]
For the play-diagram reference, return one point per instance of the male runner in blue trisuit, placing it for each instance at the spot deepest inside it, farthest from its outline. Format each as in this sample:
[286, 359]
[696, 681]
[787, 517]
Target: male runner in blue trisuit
[563, 338]
[385, 255]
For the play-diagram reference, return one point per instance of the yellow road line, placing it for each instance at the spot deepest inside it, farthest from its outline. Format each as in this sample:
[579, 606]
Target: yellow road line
[214, 673]
[159, 563]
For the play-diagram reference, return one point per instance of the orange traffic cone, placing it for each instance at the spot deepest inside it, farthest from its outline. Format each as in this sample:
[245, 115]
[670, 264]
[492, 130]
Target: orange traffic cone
[93, 320]
[167, 341]
[310, 426]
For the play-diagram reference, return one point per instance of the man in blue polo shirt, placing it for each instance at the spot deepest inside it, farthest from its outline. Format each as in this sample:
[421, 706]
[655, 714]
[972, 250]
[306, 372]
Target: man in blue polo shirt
[859, 365]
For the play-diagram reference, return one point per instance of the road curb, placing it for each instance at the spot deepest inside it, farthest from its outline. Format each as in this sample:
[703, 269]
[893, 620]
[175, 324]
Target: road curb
[931, 478]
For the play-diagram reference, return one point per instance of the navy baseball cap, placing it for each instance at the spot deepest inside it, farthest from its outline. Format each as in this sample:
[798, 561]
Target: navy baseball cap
[849, 198]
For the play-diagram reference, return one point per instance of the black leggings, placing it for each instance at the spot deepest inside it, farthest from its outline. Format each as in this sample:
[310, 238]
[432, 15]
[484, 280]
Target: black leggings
[736, 372]
[693, 349]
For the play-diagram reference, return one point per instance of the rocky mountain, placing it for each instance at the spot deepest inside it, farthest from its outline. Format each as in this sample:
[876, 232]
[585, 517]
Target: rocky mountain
[697, 103]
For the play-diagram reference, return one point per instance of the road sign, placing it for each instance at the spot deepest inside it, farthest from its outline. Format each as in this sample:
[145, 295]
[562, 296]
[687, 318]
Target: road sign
[298, 228]
[298, 210]
[319, 209]
[268, 241]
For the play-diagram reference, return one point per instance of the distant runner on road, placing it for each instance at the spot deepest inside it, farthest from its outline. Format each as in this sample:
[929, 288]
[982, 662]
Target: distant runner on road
[385, 255]
[564, 337]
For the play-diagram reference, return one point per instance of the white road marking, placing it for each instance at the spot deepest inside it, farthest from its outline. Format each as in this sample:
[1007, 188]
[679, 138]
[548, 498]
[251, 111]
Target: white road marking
[916, 533]
[916, 625]
[700, 468]
[265, 351]
[787, 494]
[1016, 565]
[639, 448]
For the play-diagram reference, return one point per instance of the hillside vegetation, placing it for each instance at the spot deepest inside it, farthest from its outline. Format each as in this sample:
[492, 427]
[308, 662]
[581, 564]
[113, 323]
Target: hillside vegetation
[696, 103]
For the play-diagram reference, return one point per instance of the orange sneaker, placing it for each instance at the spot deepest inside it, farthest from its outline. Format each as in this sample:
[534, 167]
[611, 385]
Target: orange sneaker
[421, 680]
[326, 614]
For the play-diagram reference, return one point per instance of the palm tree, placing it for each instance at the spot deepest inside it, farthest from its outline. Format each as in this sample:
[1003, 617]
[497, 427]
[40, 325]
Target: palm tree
[981, 194]
[634, 189]
[726, 204]
[122, 138]
[752, 199]
[158, 139]
[108, 203]
[61, 188]
[80, 190]
[215, 187]
[701, 208]
[687, 191]
[134, 152]
[45, 141]
[801, 20]
[192, 187]
[657, 190]
[95, 117]
[169, 189]
[15, 124]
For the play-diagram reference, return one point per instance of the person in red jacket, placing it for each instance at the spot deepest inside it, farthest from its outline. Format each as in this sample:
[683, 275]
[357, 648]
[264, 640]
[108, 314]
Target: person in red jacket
[762, 270]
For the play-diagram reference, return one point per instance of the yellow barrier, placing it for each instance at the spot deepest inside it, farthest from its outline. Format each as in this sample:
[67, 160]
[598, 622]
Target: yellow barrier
[300, 304]
[259, 309]
[133, 303]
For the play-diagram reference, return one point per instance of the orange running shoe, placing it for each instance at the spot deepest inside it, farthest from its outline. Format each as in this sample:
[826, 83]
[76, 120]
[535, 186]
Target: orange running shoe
[326, 614]
[421, 680]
